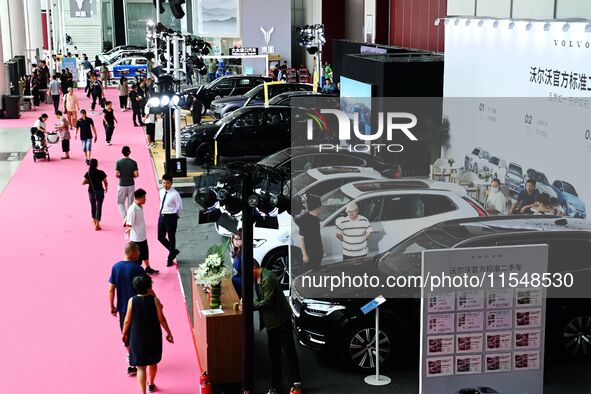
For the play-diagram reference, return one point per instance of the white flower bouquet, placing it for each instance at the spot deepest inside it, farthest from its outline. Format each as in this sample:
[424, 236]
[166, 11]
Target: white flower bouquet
[213, 270]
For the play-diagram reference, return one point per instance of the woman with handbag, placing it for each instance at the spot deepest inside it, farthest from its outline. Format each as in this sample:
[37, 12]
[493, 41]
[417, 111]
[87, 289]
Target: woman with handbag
[63, 130]
[97, 187]
[71, 107]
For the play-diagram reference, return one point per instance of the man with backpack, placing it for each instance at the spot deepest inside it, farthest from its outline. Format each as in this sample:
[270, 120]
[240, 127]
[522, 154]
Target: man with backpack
[97, 93]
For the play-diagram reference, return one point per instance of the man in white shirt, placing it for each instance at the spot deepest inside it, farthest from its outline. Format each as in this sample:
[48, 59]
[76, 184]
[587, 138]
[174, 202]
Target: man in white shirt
[353, 230]
[135, 226]
[496, 202]
[171, 206]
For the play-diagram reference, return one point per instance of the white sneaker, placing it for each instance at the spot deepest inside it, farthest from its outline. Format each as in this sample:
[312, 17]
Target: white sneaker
[109, 143]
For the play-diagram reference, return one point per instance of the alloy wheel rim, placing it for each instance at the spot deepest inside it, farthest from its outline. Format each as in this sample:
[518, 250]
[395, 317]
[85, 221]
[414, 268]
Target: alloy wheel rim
[577, 335]
[280, 269]
[362, 349]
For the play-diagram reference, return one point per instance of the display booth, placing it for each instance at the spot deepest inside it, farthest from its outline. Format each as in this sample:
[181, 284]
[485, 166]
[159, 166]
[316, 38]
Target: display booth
[518, 102]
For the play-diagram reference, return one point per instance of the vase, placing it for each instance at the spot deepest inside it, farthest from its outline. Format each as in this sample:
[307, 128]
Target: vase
[215, 296]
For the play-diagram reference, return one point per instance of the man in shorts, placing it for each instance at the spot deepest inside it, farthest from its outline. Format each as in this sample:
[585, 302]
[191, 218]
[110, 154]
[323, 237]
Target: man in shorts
[135, 226]
[121, 284]
[85, 126]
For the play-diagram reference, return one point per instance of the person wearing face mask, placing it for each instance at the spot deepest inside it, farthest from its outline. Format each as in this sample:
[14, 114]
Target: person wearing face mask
[496, 202]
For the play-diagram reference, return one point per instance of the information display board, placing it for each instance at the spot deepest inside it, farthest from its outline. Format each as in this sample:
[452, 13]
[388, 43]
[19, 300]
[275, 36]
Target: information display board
[490, 336]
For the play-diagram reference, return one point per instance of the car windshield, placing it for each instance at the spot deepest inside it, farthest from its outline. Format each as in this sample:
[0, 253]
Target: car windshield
[514, 169]
[252, 92]
[494, 160]
[488, 390]
[332, 202]
[232, 116]
[276, 158]
[405, 258]
[568, 188]
[476, 152]
[301, 182]
[539, 177]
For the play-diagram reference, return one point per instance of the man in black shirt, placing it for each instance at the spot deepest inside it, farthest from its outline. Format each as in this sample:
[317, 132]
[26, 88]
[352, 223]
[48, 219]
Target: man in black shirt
[309, 230]
[97, 93]
[136, 105]
[109, 121]
[86, 127]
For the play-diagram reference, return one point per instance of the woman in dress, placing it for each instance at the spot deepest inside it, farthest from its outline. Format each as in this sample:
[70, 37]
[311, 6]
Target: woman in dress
[142, 332]
[63, 130]
[72, 107]
[97, 187]
[236, 252]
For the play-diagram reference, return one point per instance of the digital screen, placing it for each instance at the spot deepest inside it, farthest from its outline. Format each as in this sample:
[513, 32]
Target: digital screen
[356, 99]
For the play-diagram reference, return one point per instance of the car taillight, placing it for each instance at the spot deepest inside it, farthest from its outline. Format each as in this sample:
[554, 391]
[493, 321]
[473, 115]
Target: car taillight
[476, 206]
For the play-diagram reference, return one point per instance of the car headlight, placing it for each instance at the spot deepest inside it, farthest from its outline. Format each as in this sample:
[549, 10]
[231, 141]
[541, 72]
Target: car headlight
[322, 309]
[258, 242]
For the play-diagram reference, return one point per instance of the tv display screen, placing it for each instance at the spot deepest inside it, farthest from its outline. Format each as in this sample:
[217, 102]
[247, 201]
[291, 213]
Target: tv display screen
[356, 98]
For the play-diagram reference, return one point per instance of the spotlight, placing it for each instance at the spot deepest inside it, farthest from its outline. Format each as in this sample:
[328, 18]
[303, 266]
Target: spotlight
[446, 21]
[457, 22]
[267, 202]
[437, 22]
[511, 25]
[154, 102]
[566, 27]
[547, 26]
[150, 24]
[164, 101]
[529, 26]
[175, 100]
[496, 24]
[481, 23]
[588, 28]
[253, 200]
[205, 197]
[468, 22]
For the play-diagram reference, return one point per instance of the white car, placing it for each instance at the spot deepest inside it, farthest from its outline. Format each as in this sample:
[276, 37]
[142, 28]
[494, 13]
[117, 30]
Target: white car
[396, 209]
[497, 167]
[271, 245]
[476, 160]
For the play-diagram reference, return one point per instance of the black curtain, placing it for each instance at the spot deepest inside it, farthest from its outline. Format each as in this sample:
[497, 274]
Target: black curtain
[119, 23]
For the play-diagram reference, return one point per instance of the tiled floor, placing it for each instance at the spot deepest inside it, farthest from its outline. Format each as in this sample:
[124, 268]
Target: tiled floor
[14, 143]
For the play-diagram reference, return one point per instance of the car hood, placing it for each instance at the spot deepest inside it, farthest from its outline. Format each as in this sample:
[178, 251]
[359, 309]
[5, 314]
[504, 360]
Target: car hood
[204, 129]
[574, 200]
[230, 99]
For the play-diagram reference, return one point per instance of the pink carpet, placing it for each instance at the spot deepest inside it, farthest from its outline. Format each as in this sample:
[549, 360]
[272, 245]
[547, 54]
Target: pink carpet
[56, 331]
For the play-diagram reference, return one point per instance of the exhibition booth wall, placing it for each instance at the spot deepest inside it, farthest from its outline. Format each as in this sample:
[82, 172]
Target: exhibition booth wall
[523, 94]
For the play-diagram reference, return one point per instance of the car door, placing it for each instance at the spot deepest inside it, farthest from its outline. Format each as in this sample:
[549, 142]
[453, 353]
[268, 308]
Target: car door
[369, 207]
[243, 85]
[243, 137]
[277, 130]
[223, 88]
[140, 67]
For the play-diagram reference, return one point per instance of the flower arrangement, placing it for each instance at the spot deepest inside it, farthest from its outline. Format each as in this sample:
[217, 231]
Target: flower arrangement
[486, 175]
[451, 162]
[213, 270]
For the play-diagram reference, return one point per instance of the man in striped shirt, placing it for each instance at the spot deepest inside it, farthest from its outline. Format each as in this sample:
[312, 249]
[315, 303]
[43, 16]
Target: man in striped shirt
[354, 231]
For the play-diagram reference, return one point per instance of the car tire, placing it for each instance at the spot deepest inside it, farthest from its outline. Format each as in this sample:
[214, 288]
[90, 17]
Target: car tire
[358, 345]
[204, 154]
[217, 97]
[278, 263]
[576, 336]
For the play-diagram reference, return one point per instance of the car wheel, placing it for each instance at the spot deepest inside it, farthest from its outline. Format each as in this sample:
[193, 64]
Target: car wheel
[278, 262]
[576, 336]
[217, 97]
[360, 347]
[564, 207]
[475, 168]
[204, 154]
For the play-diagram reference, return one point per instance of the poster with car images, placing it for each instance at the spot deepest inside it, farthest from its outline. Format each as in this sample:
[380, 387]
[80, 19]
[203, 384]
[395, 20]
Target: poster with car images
[499, 340]
[468, 364]
[528, 339]
[497, 299]
[440, 366]
[499, 319]
[497, 362]
[488, 338]
[441, 323]
[439, 345]
[525, 318]
[528, 297]
[469, 321]
[442, 302]
[469, 343]
[470, 300]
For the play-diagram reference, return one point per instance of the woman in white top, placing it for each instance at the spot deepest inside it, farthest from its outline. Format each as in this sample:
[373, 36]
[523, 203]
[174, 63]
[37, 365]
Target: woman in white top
[41, 127]
[72, 107]
[123, 90]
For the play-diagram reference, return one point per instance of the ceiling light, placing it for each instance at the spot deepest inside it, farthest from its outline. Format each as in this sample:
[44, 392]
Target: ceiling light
[481, 23]
[496, 24]
[566, 27]
[468, 21]
[529, 26]
[437, 22]
[457, 22]
[511, 25]
[588, 28]
[547, 26]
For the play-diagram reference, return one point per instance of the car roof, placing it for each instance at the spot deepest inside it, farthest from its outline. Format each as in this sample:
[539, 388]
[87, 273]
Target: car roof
[332, 172]
[356, 189]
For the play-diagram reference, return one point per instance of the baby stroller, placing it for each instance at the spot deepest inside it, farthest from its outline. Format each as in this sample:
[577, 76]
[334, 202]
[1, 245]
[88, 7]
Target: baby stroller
[39, 143]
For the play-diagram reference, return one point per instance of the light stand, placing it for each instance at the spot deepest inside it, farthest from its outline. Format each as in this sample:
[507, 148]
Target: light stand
[247, 287]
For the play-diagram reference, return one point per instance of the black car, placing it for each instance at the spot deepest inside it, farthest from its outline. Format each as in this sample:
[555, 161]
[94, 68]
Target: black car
[542, 183]
[255, 96]
[250, 131]
[302, 158]
[229, 85]
[306, 99]
[338, 323]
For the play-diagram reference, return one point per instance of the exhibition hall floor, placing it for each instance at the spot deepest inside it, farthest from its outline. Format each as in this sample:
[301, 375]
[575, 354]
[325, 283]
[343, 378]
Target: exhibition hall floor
[57, 333]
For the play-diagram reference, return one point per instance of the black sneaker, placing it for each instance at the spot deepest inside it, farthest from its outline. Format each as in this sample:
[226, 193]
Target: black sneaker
[169, 263]
[151, 271]
[175, 253]
[131, 371]
[151, 388]
[87, 162]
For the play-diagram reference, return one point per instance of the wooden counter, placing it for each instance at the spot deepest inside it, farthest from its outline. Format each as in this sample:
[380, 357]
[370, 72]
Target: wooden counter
[218, 337]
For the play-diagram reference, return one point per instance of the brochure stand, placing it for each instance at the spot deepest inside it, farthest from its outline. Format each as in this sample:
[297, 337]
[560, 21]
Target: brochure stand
[376, 379]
